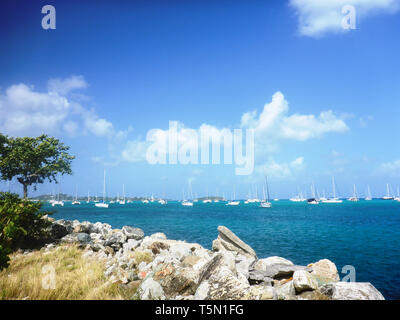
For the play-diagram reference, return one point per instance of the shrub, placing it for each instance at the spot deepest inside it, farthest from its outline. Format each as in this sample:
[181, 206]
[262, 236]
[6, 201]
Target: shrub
[21, 225]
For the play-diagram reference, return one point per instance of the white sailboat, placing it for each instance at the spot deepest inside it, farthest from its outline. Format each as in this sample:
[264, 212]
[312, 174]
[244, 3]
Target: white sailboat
[75, 202]
[334, 199]
[123, 201]
[397, 198]
[265, 203]
[233, 202]
[323, 198]
[369, 196]
[103, 204]
[88, 197]
[354, 198]
[188, 203]
[388, 196]
[58, 202]
[208, 200]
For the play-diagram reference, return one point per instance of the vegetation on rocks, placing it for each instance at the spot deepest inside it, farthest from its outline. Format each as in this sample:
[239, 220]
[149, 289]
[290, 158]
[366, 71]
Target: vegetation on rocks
[21, 225]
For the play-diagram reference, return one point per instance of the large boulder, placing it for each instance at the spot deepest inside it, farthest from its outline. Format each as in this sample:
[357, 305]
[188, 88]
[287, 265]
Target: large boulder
[227, 240]
[351, 291]
[259, 277]
[325, 270]
[79, 238]
[84, 227]
[133, 233]
[57, 230]
[115, 240]
[263, 264]
[177, 280]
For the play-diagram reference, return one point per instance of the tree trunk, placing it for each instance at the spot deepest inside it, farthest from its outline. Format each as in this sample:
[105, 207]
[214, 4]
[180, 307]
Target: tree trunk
[25, 191]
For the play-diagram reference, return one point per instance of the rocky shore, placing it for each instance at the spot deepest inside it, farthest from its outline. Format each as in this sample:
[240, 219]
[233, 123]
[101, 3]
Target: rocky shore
[169, 269]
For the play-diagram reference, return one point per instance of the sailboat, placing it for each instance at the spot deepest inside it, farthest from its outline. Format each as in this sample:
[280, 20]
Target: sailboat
[323, 198]
[58, 202]
[388, 196]
[88, 197]
[185, 202]
[368, 197]
[123, 201]
[313, 199]
[334, 199]
[233, 202]
[397, 198]
[208, 200]
[354, 198]
[265, 203]
[103, 204]
[76, 196]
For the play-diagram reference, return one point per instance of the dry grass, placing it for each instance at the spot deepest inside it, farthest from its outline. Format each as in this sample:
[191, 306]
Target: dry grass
[142, 256]
[30, 277]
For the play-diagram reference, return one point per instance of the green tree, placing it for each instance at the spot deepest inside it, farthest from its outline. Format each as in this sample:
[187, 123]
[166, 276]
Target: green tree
[33, 160]
[21, 225]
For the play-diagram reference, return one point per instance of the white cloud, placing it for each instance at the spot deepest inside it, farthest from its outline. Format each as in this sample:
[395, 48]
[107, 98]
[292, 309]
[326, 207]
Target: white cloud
[277, 170]
[135, 151]
[25, 111]
[390, 168]
[318, 17]
[64, 86]
[274, 123]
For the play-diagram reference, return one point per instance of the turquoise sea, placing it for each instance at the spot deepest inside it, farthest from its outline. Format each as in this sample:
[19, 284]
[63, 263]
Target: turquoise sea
[365, 234]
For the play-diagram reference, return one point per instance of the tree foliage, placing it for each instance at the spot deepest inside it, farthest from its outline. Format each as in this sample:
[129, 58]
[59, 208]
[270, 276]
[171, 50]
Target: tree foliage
[33, 160]
[21, 225]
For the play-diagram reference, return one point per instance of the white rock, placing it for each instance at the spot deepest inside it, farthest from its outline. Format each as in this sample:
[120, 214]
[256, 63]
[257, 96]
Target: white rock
[202, 291]
[158, 235]
[325, 269]
[303, 281]
[243, 264]
[180, 250]
[151, 290]
[262, 264]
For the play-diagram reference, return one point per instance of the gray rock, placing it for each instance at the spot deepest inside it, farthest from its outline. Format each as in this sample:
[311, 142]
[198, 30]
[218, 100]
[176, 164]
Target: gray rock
[262, 264]
[227, 240]
[115, 240]
[351, 291]
[66, 223]
[133, 233]
[259, 277]
[83, 238]
[244, 264]
[57, 230]
[282, 271]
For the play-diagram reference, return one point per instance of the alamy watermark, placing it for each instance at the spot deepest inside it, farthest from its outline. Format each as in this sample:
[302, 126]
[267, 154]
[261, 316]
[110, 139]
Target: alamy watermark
[191, 146]
[349, 19]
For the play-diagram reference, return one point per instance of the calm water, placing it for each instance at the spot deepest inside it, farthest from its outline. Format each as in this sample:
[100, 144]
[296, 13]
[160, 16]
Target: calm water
[365, 235]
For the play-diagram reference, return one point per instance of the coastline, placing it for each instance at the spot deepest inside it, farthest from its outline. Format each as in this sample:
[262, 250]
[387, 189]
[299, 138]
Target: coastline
[165, 269]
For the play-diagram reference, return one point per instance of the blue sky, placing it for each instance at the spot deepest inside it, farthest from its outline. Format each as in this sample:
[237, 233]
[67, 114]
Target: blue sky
[110, 73]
